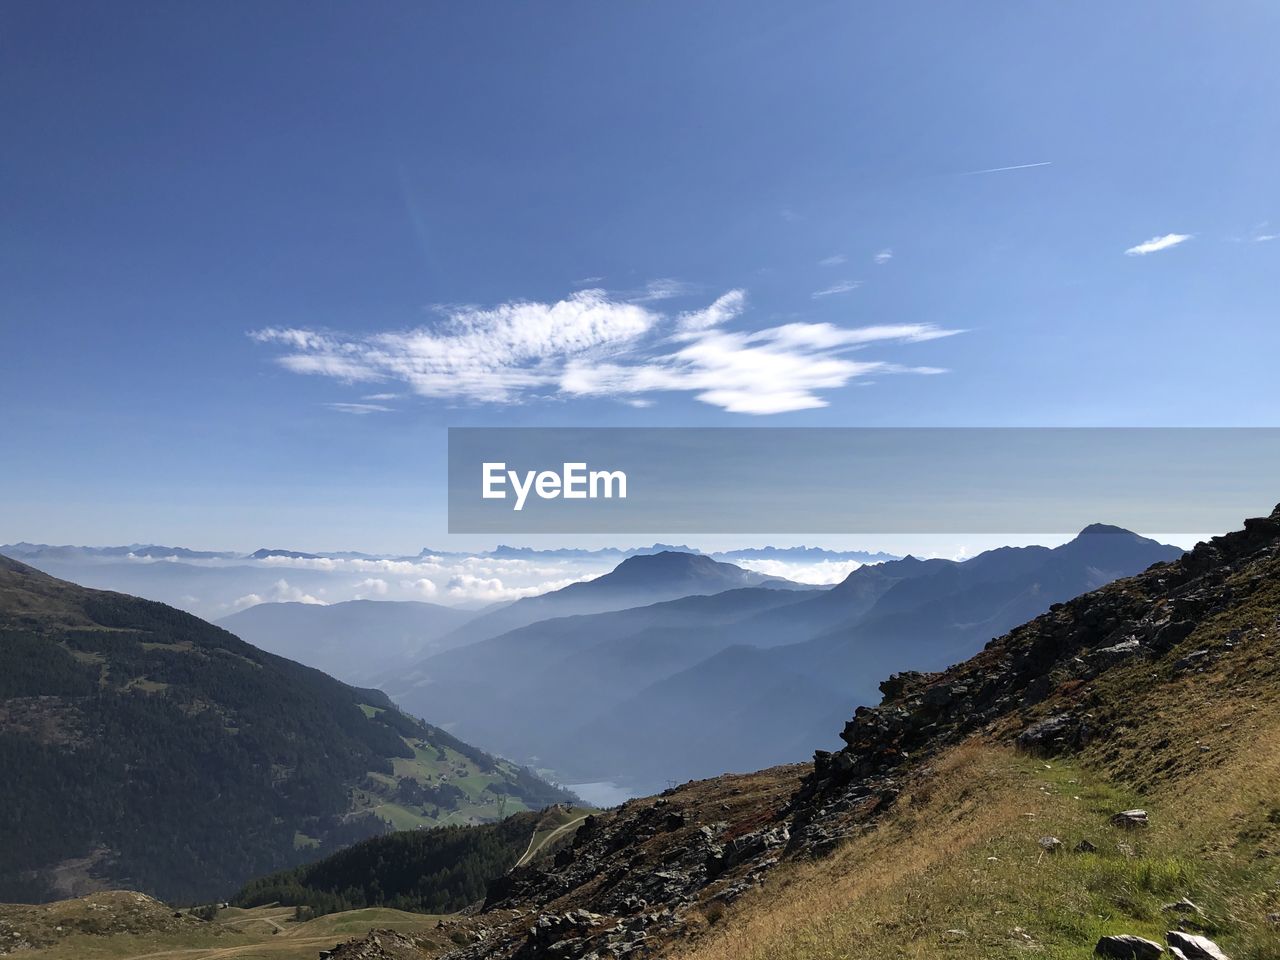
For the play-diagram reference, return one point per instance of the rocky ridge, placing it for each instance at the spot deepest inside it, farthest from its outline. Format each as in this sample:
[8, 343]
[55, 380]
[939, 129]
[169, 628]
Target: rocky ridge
[652, 871]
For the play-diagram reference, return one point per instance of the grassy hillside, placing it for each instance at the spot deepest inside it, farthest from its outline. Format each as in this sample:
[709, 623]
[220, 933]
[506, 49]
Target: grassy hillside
[143, 747]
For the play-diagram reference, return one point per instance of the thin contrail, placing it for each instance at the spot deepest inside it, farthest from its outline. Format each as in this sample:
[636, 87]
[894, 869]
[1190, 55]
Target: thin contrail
[1018, 166]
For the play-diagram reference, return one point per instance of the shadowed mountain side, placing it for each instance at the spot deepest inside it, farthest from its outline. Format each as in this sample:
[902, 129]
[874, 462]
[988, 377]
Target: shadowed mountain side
[920, 623]
[738, 710]
[144, 747]
[568, 668]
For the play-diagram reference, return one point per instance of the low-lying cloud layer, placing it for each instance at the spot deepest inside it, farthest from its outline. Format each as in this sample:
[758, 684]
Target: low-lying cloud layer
[594, 345]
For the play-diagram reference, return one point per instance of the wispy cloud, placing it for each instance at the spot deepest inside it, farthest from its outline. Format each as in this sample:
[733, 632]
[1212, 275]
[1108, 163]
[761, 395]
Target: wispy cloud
[1156, 244]
[727, 307]
[589, 345]
[665, 289]
[1016, 166]
[833, 261]
[359, 409]
[883, 257]
[380, 397]
[587, 281]
[844, 286]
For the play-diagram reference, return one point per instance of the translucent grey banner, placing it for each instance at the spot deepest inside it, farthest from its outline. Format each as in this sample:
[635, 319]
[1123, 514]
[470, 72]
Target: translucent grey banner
[858, 480]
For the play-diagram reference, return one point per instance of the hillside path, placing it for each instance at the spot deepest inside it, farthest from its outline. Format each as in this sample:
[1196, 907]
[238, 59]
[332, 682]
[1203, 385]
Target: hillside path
[531, 851]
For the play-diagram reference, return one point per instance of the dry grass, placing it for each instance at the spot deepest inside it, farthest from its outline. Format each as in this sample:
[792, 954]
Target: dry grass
[956, 868]
[958, 871]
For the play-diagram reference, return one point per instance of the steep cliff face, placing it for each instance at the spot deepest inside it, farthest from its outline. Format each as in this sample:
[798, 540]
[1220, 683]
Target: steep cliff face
[1161, 685]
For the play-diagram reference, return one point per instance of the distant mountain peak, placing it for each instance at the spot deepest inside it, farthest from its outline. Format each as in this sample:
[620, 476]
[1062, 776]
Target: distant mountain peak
[266, 552]
[1094, 529]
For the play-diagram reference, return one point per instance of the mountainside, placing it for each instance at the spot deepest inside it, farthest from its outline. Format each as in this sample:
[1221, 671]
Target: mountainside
[356, 641]
[637, 581]
[747, 678]
[1108, 770]
[566, 669]
[143, 747]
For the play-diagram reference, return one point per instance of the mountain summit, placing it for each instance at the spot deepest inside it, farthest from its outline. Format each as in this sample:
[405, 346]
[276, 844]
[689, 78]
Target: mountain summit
[636, 581]
[675, 570]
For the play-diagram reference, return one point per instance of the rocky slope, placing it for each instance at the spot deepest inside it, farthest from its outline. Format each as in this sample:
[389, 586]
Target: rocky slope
[1135, 684]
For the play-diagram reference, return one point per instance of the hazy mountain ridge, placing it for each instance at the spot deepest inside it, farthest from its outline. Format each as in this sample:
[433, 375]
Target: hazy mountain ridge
[746, 679]
[563, 668]
[639, 580]
[356, 641]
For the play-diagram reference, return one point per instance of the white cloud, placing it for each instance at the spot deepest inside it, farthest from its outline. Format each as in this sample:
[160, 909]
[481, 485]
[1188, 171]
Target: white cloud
[725, 308]
[833, 261]
[822, 573]
[1156, 244]
[373, 586]
[423, 587]
[380, 397]
[481, 355]
[844, 286]
[359, 409]
[775, 370]
[883, 257]
[465, 587]
[281, 592]
[591, 345]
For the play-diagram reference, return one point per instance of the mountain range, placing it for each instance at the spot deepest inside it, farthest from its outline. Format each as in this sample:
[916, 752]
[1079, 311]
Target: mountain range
[746, 677]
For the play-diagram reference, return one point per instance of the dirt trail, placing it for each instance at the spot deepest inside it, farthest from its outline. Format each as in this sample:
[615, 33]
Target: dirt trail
[531, 851]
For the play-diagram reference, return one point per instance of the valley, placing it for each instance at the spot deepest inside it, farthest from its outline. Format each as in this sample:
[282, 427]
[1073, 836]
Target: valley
[1002, 779]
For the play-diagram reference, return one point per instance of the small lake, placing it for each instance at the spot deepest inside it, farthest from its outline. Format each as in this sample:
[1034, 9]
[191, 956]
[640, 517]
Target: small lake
[603, 793]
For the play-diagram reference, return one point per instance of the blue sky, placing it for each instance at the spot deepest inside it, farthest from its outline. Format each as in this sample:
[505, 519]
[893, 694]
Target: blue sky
[579, 213]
